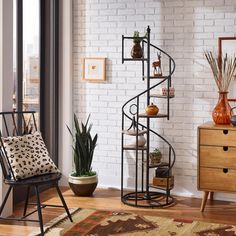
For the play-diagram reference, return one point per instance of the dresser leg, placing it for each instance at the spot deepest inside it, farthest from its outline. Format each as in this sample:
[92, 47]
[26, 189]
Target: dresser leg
[211, 196]
[204, 200]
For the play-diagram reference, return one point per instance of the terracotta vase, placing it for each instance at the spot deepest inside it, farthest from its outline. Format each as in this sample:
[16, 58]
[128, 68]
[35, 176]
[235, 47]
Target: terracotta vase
[152, 110]
[222, 112]
[137, 51]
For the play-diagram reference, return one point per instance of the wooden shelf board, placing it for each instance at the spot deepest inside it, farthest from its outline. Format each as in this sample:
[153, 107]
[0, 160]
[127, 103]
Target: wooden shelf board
[130, 37]
[160, 96]
[133, 147]
[133, 132]
[134, 59]
[156, 77]
[144, 115]
[159, 187]
[161, 164]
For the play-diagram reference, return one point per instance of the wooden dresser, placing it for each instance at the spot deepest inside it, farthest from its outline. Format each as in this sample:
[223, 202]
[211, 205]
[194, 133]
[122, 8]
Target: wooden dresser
[216, 159]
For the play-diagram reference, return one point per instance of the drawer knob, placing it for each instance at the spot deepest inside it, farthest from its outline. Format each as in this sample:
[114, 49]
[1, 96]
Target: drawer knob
[225, 131]
[225, 148]
[225, 170]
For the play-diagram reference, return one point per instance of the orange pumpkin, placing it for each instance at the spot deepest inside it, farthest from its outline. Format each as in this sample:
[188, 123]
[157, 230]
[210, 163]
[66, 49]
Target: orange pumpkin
[152, 110]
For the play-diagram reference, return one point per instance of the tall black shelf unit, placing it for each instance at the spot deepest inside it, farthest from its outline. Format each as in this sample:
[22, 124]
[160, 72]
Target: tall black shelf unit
[145, 194]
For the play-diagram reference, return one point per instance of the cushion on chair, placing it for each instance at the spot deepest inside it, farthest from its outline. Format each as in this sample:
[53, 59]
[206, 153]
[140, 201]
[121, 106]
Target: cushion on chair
[28, 156]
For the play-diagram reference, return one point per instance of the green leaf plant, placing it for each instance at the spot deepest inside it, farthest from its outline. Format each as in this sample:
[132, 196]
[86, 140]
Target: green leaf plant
[83, 148]
[137, 38]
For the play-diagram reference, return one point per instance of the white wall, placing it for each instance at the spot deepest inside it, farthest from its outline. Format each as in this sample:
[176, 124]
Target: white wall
[6, 75]
[183, 28]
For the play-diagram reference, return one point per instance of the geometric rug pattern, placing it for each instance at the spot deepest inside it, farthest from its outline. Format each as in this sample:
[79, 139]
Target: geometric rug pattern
[89, 222]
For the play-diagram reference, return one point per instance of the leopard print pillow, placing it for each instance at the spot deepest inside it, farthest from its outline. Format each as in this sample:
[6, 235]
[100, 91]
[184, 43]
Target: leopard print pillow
[28, 156]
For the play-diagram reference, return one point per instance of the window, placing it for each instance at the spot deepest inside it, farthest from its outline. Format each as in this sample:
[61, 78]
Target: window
[27, 48]
[36, 37]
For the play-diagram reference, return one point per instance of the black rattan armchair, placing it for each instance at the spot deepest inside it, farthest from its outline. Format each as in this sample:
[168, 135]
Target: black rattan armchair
[19, 124]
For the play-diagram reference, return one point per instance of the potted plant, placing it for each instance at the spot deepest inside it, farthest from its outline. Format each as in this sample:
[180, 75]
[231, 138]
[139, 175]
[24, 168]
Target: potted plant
[155, 156]
[136, 51]
[83, 181]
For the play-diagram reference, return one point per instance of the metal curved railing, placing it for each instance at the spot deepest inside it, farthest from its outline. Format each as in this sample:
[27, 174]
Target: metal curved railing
[168, 77]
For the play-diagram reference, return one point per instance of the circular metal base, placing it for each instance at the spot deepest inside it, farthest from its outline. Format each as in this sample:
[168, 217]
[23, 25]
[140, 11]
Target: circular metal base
[148, 200]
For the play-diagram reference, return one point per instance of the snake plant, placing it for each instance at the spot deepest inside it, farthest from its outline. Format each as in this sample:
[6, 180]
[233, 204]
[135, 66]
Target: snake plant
[83, 147]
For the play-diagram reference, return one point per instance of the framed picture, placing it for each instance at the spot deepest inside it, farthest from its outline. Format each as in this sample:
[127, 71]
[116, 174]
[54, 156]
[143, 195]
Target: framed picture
[228, 45]
[94, 69]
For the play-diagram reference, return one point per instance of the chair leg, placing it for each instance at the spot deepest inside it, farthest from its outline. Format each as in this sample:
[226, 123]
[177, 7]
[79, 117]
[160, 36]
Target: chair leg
[39, 210]
[5, 199]
[26, 200]
[63, 202]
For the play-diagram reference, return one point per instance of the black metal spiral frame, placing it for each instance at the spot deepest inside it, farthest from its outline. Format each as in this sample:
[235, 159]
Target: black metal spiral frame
[142, 196]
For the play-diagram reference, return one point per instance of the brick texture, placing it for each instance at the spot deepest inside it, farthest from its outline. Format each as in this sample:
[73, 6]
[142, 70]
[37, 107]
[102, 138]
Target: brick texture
[184, 29]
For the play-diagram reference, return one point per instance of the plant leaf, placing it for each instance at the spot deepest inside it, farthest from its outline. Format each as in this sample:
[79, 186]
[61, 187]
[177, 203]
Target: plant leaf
[83, 147]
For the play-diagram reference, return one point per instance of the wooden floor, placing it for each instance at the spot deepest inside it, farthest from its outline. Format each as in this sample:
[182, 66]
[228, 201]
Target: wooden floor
[109, 199]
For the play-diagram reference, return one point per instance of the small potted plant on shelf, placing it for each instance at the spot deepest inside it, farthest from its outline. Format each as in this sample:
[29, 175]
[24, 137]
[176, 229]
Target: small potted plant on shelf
[136, 51]
[155, 156]
[83, 181]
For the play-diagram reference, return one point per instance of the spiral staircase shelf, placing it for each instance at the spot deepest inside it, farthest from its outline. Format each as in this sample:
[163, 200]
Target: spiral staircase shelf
[142, 195]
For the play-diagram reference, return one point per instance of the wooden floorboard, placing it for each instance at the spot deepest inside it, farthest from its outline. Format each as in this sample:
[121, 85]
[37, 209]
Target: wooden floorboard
[109, 199]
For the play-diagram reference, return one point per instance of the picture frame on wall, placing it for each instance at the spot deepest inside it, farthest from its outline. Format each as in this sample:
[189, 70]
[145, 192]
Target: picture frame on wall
[228, 45]
[94, 69]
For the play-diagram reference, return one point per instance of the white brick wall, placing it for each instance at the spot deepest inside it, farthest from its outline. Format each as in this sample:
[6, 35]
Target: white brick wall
[183, 28]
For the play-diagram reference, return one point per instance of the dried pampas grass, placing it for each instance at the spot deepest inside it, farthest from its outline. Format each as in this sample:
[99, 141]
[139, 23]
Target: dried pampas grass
[223, 70]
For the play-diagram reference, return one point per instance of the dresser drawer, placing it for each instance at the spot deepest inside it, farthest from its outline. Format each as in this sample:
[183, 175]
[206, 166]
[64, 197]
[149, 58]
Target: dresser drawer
[217, 179]
[217, 137]
[219, 157]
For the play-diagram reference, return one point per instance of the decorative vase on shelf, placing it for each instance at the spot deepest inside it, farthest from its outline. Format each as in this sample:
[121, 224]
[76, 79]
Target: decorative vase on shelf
[141, 141]
[155, 156]
[136, 51]
[152, 110]
[222, 112]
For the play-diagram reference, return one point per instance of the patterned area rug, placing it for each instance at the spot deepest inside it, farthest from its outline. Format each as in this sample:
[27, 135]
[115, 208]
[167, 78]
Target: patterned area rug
[89, 222]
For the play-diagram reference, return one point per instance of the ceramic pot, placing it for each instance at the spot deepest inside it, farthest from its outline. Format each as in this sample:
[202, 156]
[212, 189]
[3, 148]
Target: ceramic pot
[155, 158]
[83, 186]
[222, 112]
[152, 110]
[141, 141]
[137, 51]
